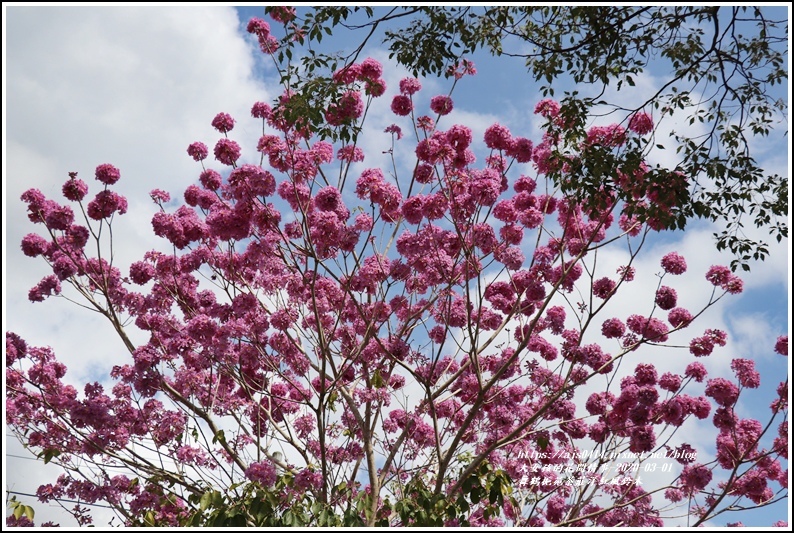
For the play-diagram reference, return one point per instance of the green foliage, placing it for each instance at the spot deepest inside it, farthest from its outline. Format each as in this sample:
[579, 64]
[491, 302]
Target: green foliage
[486, 488]
[253, 505]
[308, 79]
[414, 504]
[19, 510]
[48, 455]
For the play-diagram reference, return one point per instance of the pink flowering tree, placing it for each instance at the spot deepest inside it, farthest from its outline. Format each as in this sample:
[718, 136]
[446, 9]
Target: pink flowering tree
[331, 343]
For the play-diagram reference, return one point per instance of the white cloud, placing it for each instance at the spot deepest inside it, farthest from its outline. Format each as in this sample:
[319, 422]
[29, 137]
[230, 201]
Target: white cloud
[127, 86]
[130, 86]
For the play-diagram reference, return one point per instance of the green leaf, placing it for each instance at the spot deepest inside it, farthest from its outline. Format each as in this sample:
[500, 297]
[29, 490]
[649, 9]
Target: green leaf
[50, 454]
[205, 501]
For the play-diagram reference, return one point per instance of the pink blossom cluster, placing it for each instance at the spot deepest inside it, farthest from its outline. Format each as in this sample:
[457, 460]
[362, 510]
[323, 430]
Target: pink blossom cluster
[722, 277]
[282, 14]
[267, 42]
[641, 123]
[610, 136]
[349, 108]
[464, 67]
[369, 72]
[223, 122]
[441, 105]
[262, 472]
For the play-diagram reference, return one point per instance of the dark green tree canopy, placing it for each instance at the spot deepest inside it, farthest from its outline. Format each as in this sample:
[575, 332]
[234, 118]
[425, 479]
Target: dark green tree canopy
[723, 68]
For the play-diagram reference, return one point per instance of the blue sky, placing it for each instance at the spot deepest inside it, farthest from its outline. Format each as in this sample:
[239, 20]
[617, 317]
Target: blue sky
[133, 86]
